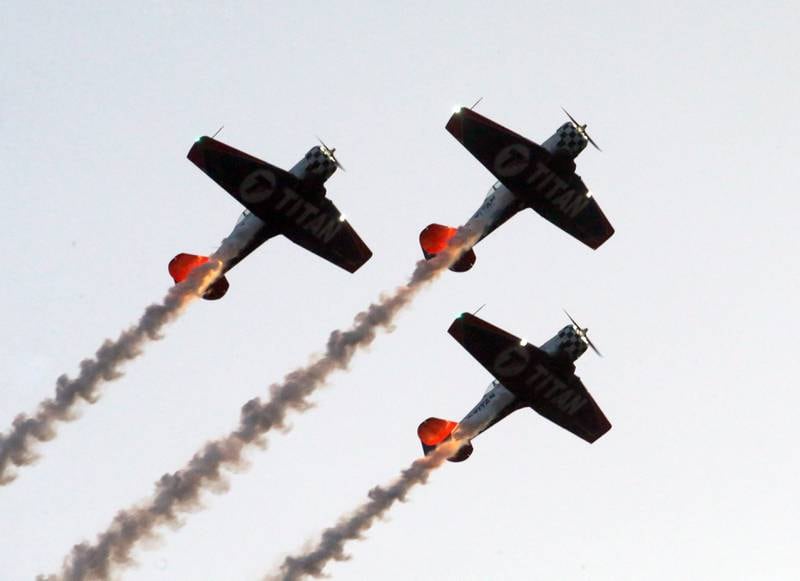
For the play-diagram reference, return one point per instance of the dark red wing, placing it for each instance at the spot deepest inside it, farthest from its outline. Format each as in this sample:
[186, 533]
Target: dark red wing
[510, 157]
[330, 236]
[532, 375]
[257, 185]
[301, 213]
[546, 184]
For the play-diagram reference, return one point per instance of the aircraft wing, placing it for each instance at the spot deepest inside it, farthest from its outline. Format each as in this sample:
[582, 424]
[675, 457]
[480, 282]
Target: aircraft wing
[330, 236]
[252, 182]
[549, 185]
[533, 376]
[277, 197]
[589, 225]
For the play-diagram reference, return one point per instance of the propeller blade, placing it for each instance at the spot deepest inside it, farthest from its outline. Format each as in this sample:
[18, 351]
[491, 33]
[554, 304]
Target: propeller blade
[571, 118]
[589, 341]
[582, 129]
[582, 333]
[330, 152]
[573, 321]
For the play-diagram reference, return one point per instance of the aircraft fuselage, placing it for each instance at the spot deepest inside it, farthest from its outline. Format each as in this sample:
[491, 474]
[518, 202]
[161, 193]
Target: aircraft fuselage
[498, 402]
[250, 231]
[501, 204]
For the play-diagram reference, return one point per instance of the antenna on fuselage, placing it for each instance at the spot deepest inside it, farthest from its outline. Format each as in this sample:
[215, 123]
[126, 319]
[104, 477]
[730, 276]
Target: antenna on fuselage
[478, 310]
[475, 104]
[218, 131]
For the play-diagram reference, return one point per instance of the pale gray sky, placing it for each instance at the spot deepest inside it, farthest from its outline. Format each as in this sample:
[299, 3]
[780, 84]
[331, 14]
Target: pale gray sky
[693, 301]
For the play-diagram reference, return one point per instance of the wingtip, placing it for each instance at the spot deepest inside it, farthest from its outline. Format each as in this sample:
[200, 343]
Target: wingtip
[194, 154]
[456, 329]
[454, 124]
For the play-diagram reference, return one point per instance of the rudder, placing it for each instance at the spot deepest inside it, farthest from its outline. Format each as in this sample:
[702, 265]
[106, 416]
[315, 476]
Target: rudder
[435, 238]
[182, 266]
[435, 431]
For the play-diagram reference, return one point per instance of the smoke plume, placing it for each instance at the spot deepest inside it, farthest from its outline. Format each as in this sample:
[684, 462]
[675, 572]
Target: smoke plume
[17, 446]
[312, 562]
[180, 492]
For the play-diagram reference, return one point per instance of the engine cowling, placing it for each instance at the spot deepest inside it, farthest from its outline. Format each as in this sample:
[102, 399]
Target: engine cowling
[182, 266]
[568, 139]
[565, 345]
[316, 166]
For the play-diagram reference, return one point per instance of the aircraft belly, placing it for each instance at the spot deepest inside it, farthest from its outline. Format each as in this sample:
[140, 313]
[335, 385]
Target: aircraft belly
[247, 235]
[498, 207]
[494, 406]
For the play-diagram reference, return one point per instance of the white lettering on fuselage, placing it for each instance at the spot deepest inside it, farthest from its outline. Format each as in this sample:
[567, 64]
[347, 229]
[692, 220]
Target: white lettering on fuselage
[259, 188]
[482, 405]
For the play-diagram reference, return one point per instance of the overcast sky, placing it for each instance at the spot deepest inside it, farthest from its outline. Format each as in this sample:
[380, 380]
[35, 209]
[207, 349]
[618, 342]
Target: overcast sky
[693, 302]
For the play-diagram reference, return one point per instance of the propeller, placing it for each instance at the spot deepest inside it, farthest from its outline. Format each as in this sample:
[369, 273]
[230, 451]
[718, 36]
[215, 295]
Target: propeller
[581, 129]
[582, 332]
[330, 151]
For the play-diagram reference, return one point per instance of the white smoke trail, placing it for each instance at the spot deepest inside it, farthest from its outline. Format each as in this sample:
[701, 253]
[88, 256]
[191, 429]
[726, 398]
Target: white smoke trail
[179, 492]
[312, 562]
[17, 446]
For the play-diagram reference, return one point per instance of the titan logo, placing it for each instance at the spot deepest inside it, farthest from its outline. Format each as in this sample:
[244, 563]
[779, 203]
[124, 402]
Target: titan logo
[514, 361]
[557, 191]
[511, 362]
[260, 186]
[544, 383]
[514, 159]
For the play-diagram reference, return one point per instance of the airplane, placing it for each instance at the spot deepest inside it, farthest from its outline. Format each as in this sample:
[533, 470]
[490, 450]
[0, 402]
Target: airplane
[292, 203]
[541, 378]
[541, 177]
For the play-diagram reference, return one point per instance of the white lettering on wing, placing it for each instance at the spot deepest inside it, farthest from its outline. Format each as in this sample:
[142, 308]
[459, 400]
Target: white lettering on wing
[513, 160]
[260, 185]
[514, 361]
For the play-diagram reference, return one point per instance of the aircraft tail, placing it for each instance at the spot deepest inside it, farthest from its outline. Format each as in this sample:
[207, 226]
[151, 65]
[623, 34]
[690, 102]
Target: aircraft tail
[434, 239]
[434, 431]
[183, 264]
